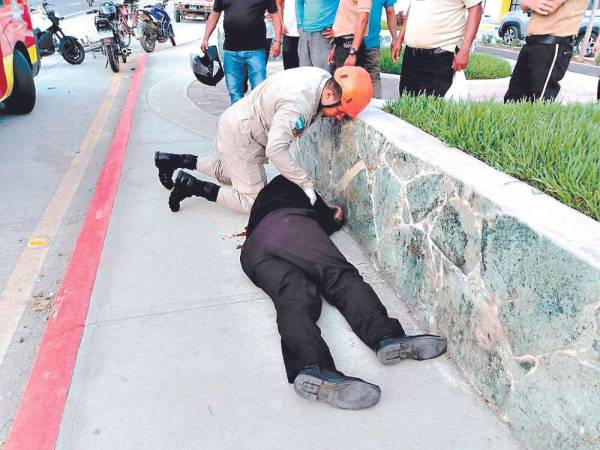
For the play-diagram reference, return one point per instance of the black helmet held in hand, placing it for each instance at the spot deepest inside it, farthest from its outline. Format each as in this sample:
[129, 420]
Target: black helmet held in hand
[207, 68]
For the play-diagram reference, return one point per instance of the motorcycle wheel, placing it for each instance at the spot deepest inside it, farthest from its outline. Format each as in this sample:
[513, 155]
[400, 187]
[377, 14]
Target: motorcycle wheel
[147, 37]
[73, 52]
[172, 35]
[113, 58]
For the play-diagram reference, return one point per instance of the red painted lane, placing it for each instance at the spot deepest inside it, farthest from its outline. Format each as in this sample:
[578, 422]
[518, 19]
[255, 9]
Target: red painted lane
[38, 418]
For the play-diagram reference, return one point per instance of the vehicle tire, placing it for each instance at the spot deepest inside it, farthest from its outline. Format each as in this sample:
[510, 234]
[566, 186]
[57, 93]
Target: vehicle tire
[147, 37]
[510, 35]
[172, 35]
[73, 51]
[22, 99]
[113, 58]
[177, 16]
[590, 47]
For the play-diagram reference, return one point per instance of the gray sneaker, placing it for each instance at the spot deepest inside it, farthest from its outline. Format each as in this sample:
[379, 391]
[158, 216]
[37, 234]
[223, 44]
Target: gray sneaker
[335, 388]
[423, 346]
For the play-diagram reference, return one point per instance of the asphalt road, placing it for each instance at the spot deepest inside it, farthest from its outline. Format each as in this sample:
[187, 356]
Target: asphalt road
[65, 7]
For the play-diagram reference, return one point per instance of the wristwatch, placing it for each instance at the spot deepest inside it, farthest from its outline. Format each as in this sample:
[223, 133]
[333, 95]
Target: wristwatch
[352, 51]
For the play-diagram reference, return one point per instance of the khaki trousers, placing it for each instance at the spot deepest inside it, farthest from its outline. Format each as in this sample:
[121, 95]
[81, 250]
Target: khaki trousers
[239, 167]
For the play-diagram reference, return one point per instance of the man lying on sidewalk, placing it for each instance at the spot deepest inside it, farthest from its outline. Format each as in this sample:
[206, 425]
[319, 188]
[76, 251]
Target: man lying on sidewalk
[289, 255]
[261, 127]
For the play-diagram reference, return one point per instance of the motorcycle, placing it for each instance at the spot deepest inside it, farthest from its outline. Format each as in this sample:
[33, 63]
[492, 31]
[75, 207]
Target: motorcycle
[155, 25]
[111, 41]
[53, 38]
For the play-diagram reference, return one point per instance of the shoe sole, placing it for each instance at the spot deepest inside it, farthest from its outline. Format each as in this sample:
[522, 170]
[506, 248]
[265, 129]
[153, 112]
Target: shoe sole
[419, 348]
[348, 394]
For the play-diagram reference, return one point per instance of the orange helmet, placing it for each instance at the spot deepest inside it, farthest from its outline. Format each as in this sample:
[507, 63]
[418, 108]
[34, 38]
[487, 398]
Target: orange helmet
[357, 90]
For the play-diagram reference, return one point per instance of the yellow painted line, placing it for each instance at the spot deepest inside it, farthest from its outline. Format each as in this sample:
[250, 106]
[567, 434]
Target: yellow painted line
[21, 282]
[350, 175]
[8, 71]
[33, 57]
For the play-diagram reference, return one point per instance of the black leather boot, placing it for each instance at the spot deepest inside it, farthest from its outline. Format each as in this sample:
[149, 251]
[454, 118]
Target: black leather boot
[168, 162]
[187, 186]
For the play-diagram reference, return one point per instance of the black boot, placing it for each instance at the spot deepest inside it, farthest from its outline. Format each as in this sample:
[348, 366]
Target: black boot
[168, 162]
[186, 186]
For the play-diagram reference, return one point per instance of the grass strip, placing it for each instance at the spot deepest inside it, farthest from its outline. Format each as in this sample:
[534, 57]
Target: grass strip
[553, 147]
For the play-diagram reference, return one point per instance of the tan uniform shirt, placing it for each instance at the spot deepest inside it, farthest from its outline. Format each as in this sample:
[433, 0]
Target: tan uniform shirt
[347, 16]
[437, 23]
[280, 109]
[565, 21]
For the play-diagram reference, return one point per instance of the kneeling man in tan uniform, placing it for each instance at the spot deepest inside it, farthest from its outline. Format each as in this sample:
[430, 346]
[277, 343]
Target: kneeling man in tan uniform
[260, 127]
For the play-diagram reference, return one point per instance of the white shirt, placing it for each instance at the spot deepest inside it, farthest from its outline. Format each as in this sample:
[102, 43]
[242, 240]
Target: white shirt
[289, 18]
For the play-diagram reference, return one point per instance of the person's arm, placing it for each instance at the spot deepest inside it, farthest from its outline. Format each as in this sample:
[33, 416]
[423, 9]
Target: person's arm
[398, 45]
[391, 21]
[280, 6]
[597, 46]
[461, 59]
[300, 14]
[276, 47]
[211, 24]
[543, 7]
[330, 218]
[278, 148]
[364, 9]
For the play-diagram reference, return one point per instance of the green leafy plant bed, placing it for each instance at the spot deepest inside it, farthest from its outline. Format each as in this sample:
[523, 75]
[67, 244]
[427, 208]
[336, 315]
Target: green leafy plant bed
[481, 67]
[554, 147]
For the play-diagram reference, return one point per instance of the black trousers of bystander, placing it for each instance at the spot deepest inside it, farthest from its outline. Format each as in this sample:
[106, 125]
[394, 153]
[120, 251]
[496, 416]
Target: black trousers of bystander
[538, 71]
[290, 52]
[426, 71]
[293, 260]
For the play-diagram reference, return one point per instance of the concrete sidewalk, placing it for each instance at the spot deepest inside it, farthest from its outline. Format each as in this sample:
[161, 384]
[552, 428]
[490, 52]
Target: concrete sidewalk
[181, 351]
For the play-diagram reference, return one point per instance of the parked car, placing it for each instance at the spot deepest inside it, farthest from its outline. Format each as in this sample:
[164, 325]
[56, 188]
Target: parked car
[19, 59]
[513, 27]
[193, 8]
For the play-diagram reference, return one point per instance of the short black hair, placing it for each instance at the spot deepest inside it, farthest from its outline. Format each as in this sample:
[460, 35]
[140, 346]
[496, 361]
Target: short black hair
[335, 87]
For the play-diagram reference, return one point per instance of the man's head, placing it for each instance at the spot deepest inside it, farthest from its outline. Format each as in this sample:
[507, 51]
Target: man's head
[347, 93]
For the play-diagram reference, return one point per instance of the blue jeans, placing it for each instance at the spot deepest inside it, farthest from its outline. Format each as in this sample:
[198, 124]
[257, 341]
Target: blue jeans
[237, 64]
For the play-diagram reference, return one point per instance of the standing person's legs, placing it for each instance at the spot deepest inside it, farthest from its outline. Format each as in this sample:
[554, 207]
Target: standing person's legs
[256, 61]
[268, 43]
[519, 87]
[290, 52]
[303, 52]
[319, 50]
[370, 60]
[298, 306]
[548, 64]
[233, 65]
[426, 74]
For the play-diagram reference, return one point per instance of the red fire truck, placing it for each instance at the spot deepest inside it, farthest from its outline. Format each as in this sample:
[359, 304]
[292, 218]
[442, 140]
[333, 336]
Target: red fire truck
[19, 59]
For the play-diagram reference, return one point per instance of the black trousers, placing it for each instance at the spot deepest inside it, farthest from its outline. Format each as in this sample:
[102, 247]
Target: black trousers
[290, 52]
[424, 73]
[342, 50]
[538, 71]
[293, 260]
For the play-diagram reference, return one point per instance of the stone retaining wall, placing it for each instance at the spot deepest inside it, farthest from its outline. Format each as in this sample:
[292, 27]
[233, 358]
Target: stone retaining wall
[508, 274]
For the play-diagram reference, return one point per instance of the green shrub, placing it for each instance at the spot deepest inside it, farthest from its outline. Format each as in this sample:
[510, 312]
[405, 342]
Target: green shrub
[481, 67]
[551, 146]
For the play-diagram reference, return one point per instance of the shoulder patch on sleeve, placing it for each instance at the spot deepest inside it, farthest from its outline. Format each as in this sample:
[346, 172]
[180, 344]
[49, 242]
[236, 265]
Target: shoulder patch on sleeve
[299, 126]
